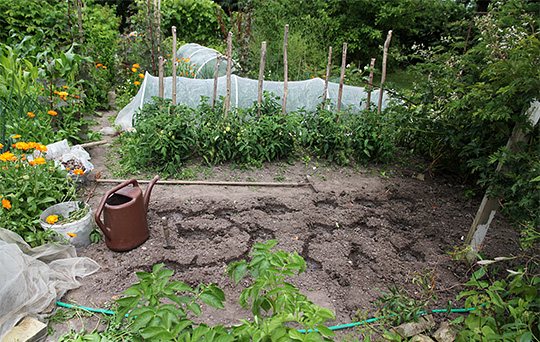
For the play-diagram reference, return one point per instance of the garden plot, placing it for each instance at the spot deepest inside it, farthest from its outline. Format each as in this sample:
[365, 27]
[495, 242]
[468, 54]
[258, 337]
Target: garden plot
[359, 235]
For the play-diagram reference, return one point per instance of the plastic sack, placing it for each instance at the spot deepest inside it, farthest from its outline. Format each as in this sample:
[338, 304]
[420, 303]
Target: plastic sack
[61, 153]
[32, 278]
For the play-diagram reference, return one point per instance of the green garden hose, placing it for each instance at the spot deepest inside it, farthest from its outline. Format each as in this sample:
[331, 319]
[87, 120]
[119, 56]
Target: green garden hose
[336, 327]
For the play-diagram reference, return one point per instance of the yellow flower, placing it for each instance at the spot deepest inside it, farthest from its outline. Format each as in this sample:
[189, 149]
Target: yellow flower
[63, 94]
[40, 160]
[136, 65]
[72, 234]
[52, 112]
[134, 69]
[6, 204]
[30, 114]
[137, 83]
[1, 146]
[16, 136]
[141, 75]
[51, 219]
[41, 148]
[78, 172]
[22, 146]
[7, 156]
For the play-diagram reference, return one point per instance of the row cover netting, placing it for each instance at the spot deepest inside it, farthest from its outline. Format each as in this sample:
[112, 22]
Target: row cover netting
[301, 94]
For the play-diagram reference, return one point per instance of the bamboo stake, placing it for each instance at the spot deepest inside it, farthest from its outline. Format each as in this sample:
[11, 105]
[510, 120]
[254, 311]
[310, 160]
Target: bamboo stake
[229, 65]
[285, 69]
[383, 76]
[372, 67]
[327, 76]
[161, 88]
[342, 76]
[261, 77]
[174, 66]
[184, 182]
[216, 74]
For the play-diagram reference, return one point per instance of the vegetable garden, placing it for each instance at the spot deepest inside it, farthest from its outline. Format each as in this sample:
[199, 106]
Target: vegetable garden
[459, 118]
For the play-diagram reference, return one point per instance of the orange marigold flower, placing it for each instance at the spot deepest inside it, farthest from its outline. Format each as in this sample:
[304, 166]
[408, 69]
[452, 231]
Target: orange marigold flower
[40, 160]
[56, 92]
[52, 112]
[72, 234]
[104, 67]
[136, 65]
[17, 136]
[31, 162]
[22, 146]
[4, 167]
[99, 65]
[41, 148]
[65, 87]
[141, 75]
[42, 89]
[1, 146]
[7, 156]
[137, 83]
[30, 114]
[78, 172]
[134, 69]
[6, 204]
[51, 219]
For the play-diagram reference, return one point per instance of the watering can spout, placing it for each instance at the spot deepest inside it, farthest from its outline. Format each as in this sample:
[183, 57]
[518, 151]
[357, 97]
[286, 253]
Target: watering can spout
[149, 191]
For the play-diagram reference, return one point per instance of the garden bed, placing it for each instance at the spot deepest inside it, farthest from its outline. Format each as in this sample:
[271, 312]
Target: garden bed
[365, 231]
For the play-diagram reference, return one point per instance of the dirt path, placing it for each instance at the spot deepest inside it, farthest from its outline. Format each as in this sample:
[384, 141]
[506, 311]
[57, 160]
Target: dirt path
[366, 230]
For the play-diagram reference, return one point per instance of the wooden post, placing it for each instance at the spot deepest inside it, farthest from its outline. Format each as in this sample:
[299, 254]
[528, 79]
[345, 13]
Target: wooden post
[372, 67]
[79, 13]
[489, 206]
[261, 77]
[174, 65]
[216, 74]
[342, 76]
[285, 70]
[229, 65]
[383, 76]
[327, 76]
[161, 88]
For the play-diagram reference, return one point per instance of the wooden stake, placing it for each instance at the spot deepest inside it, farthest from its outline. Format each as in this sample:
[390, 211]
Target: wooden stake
[174, 65]
[383, 76]
[372, 67]
[261, 77]
[216, 74]
[489, 206]
[342, 76]
[79, 13]
[285, 70]
[183, 182]
[327, 76]
[161, 63]
[229, 66]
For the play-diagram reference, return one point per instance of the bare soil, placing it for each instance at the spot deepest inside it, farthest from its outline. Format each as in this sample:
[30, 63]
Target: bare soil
[367, 229]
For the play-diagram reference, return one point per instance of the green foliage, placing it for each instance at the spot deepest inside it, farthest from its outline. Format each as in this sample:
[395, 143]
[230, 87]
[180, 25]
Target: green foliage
[505, 310]
[159, 309]
[196, 21]
[27, 17]
[28, 188]
[165, 137]
[153, 319]
[273, 301]
[465, 115]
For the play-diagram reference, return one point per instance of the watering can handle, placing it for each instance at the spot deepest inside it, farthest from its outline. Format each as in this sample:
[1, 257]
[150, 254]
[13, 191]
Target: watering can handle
[99, 210]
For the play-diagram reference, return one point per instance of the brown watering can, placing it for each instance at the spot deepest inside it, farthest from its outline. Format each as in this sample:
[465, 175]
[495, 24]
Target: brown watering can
[124, 214]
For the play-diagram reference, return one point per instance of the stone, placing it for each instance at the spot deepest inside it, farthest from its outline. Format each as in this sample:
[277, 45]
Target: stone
[446, 333]
[414, 328]
[421, 338]
[27, 330]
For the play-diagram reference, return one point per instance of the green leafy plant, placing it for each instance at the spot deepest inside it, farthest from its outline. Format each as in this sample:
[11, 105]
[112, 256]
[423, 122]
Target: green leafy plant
[29, 187]
[504, 310]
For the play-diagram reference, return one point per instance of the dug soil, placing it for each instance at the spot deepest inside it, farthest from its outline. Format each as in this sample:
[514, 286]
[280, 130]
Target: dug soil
[366, 230]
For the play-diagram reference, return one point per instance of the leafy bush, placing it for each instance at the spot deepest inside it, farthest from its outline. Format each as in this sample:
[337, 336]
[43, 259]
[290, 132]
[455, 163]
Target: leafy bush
[196, 21]
[504, 310]
[27, 187]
